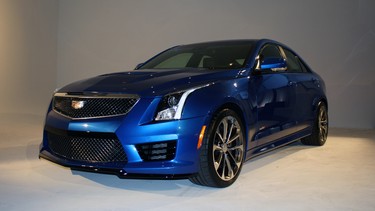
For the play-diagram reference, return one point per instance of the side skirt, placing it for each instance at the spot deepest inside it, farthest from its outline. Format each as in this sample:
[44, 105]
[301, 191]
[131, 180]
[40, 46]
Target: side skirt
[259, 150]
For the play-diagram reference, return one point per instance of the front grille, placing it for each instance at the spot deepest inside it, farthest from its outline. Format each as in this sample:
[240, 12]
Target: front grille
[160, 151]
[87, 149]
[78, 107]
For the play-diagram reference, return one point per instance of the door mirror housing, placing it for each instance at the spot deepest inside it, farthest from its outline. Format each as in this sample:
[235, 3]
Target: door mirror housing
[273, 64]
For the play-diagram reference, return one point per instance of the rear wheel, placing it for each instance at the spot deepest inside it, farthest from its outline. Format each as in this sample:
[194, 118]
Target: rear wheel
[319, 133]
[222, 152]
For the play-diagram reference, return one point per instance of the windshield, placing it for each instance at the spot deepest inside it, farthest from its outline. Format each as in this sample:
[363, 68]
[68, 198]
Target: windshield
[216, 55]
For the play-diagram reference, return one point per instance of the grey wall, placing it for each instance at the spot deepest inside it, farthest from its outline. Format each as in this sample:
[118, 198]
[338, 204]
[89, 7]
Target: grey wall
[336, 38]
[28, 53]
[45, 44]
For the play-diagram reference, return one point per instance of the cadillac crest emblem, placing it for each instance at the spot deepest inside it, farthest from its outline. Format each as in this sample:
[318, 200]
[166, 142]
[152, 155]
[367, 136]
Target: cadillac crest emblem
[77, 104]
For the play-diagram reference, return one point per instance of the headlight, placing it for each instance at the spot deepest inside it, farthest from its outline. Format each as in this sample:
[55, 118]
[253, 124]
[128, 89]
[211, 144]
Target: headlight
[170, 107]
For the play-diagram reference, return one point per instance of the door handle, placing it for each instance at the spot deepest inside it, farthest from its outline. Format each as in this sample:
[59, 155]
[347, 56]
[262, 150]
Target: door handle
[315, 81]
[292, 83]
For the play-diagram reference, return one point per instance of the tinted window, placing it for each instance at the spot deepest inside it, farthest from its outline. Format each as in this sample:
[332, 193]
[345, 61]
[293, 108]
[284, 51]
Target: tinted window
[303, 66]
[179, 60]
[270, 51]
[292, 62]
[208, 55]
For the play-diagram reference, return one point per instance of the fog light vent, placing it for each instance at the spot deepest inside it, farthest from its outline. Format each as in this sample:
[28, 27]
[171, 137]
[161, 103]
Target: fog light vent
[157, 151]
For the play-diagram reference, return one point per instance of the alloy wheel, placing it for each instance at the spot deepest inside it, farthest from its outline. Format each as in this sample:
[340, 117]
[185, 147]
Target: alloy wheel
[228, 148]
[323, 124]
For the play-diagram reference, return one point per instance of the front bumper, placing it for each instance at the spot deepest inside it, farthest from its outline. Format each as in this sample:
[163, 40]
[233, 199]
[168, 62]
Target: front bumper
[120, 172]
[131, 134]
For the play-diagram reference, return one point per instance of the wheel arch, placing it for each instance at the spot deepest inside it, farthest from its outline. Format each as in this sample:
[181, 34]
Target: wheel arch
[325, 101]
[317, 101]
[241, 113]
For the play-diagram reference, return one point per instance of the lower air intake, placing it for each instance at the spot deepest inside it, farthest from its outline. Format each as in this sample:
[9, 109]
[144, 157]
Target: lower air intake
[160, 151]
[89, 149]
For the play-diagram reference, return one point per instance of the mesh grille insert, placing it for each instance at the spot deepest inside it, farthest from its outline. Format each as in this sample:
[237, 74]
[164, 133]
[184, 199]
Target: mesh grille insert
[88, 149]
[92, 107]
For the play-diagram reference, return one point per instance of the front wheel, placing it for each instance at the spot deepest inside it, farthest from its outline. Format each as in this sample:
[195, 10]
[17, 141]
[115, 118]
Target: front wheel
[319, 133]
[222, 152]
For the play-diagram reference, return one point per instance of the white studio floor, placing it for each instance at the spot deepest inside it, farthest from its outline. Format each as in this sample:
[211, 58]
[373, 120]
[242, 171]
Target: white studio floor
[337, 176]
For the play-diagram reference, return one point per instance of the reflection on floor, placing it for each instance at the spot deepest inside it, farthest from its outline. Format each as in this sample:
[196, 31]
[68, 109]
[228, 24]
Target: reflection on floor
[337, 176]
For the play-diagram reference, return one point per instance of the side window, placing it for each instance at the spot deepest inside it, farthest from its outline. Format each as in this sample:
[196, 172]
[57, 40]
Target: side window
[292, 62]
[270, 51]
[303, 66]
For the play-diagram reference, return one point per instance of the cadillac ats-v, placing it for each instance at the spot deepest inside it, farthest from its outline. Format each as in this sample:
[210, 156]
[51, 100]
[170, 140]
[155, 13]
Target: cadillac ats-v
[196, 111]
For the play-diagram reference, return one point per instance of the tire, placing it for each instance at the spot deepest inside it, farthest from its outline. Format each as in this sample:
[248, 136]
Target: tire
[222, 151]
[319, 133]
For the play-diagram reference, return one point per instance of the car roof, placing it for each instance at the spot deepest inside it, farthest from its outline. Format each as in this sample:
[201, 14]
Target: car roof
[220, 42]
[235, 41]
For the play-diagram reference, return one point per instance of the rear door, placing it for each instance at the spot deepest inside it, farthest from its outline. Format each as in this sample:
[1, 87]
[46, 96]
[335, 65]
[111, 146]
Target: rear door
[304, 85]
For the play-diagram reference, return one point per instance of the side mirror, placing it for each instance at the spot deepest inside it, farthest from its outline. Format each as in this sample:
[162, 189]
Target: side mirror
[138, 66]
[273, 64]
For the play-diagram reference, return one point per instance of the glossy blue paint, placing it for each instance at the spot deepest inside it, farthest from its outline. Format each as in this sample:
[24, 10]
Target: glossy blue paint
[273, 63]
[276, 108]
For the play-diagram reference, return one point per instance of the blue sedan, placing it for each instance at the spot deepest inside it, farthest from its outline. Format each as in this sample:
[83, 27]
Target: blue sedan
[194, 111]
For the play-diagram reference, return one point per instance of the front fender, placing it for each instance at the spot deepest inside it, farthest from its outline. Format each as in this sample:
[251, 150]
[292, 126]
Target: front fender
[209, 99]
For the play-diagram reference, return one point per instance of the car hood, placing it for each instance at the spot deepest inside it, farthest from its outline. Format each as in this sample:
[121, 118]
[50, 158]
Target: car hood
[149, 82]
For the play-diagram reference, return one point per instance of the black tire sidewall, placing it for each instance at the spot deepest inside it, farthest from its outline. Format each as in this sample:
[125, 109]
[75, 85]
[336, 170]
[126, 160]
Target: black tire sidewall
[210, 138]
[317, 125]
